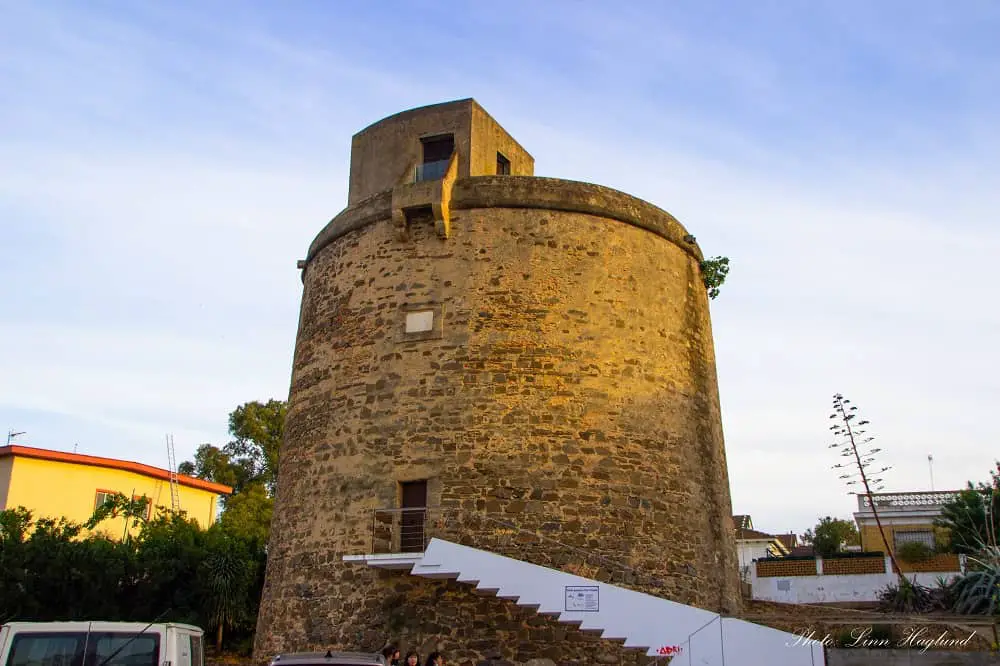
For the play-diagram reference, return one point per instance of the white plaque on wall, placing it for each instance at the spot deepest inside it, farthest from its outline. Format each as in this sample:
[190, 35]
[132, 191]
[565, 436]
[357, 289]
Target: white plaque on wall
[583, 598]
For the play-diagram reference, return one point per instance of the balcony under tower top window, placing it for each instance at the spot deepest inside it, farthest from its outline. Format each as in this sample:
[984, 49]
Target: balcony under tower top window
[437, 152]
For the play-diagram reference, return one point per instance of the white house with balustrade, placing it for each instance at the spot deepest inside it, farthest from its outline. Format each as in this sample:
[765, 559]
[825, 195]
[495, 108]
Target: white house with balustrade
[906, 517]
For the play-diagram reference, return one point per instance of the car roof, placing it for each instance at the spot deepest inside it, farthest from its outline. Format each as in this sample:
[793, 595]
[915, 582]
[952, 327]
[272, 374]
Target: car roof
[97, 625]
[330, 657]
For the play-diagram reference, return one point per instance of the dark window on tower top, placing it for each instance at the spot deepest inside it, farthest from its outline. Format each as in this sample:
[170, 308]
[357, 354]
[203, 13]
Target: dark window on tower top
[503, 165]
[437, 153]
[437, 148]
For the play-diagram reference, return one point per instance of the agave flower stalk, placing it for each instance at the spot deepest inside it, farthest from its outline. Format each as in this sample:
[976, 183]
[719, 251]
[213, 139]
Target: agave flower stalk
[853, 437]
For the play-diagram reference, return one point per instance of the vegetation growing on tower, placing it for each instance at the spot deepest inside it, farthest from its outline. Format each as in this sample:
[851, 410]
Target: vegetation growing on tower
[713, 274]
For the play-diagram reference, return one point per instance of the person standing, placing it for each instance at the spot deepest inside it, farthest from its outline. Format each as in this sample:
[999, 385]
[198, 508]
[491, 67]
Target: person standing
[391, 654]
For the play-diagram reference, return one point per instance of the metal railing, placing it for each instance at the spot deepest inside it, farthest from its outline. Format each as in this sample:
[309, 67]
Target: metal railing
[430, 170]
[410, 530]
[401, 530]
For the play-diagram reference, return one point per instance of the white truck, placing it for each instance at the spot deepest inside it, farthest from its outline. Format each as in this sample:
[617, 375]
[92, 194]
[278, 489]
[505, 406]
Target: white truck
[100, 644]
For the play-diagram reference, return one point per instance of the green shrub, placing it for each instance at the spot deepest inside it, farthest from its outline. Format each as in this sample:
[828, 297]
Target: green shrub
[174, 570]
[907, 597]
[915, 551]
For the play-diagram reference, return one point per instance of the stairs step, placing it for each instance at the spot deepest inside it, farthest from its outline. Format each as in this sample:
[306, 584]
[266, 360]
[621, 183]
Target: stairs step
[633, 620]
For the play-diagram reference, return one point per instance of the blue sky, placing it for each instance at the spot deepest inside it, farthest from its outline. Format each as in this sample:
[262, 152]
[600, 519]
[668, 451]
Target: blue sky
[164, 165]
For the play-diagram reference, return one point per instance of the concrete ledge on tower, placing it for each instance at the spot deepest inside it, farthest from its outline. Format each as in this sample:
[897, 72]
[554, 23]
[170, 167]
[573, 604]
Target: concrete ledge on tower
[403, 561]
[572, 196]
[525, 192]
[418, 199]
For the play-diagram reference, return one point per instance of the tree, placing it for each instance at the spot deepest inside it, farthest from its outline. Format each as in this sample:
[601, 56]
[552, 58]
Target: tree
[251, 457]
[170, 550]
[831, 535]
[217, 465]
[14, 526]
[228, 576]
[713, 274]
[248, 514]
[972, 518]
[48, 573]
[258, 430]
[50, 569]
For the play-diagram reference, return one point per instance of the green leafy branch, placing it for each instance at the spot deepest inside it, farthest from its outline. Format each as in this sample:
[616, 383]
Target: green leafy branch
[119, 505]
[713, 274]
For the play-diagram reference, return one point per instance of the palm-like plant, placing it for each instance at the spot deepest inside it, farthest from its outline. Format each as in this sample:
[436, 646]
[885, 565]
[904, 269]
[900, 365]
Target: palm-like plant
[912, 597]
[977, 592]
[228, 575]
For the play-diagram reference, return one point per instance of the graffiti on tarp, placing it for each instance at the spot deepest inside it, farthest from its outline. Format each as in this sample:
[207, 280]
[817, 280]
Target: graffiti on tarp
[670, 650]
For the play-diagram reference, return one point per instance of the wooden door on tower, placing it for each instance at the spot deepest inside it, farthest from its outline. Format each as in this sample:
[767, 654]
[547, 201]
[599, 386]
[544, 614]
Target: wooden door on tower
[414, 505]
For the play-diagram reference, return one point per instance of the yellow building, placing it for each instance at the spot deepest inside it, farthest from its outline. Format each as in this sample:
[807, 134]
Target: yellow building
[905, 517]
[53, 484]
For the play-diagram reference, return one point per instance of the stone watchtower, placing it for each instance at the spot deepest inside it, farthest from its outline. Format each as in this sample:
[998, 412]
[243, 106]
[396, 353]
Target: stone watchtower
[504, 350]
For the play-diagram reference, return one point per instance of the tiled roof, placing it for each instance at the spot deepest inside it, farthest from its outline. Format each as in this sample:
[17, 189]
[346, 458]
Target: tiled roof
[742, 522]
[745, 535]
[790, 540]
[14, 450]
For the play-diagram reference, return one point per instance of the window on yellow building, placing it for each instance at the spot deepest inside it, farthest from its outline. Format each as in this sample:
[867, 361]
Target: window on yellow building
[149, 504]
[102, 498]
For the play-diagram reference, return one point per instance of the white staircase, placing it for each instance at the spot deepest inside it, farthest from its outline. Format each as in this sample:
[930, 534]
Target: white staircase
[694, 637]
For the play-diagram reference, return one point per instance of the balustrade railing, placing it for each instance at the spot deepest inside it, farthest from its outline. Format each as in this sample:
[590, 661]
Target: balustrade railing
[904, 501]
[430, 170]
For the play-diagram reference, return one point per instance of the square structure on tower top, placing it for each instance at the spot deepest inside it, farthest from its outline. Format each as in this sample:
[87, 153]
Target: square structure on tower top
[417, 145]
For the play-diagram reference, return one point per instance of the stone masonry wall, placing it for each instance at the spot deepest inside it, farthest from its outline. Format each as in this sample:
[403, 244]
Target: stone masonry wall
[572, 392]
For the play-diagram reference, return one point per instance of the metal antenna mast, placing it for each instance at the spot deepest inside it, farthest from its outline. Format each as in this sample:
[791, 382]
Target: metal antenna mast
[930, 465]
[175, 499]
